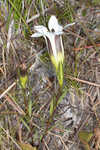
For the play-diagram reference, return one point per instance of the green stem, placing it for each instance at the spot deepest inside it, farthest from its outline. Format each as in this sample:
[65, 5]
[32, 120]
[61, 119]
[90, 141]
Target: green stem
[50, 119]
[25, 99]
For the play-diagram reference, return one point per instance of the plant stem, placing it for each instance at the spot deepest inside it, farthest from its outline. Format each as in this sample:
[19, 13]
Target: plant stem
[50, 119]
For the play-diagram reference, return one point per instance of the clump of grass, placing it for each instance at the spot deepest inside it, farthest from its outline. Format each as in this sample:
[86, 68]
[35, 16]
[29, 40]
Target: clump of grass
[68, 11]
[19, 12]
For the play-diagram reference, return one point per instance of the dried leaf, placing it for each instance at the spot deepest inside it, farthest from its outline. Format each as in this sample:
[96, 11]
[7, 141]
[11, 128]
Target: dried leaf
[85, 137]
[25, 146]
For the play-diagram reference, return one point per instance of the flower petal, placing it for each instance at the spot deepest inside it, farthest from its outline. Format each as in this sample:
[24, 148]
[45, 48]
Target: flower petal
[36, 35]
[41, 29]
[53, 46]
[53, 25]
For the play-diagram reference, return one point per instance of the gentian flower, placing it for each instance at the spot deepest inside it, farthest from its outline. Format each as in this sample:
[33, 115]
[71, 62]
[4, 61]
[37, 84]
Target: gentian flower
[53, 38]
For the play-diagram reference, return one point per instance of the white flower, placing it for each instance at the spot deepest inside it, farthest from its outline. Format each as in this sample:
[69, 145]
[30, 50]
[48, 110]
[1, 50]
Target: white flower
[53, 38]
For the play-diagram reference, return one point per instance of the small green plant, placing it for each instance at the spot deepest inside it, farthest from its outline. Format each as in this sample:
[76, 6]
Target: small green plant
[54, 44]
[53, 38]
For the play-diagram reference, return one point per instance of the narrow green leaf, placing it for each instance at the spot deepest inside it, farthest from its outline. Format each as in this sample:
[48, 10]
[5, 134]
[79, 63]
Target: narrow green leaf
[51, 107]
[60, 74]
[63, 95]
[30, 108]
[25, 124]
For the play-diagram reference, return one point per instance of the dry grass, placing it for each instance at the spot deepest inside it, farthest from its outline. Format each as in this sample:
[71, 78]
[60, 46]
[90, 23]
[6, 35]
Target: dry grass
[25, 111]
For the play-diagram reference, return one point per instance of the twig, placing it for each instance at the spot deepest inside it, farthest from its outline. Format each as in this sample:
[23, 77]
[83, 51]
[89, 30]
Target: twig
[7, 90]
[46, 144]
[15, 105]
[66, 148]
[86, 47]
[83, 81]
